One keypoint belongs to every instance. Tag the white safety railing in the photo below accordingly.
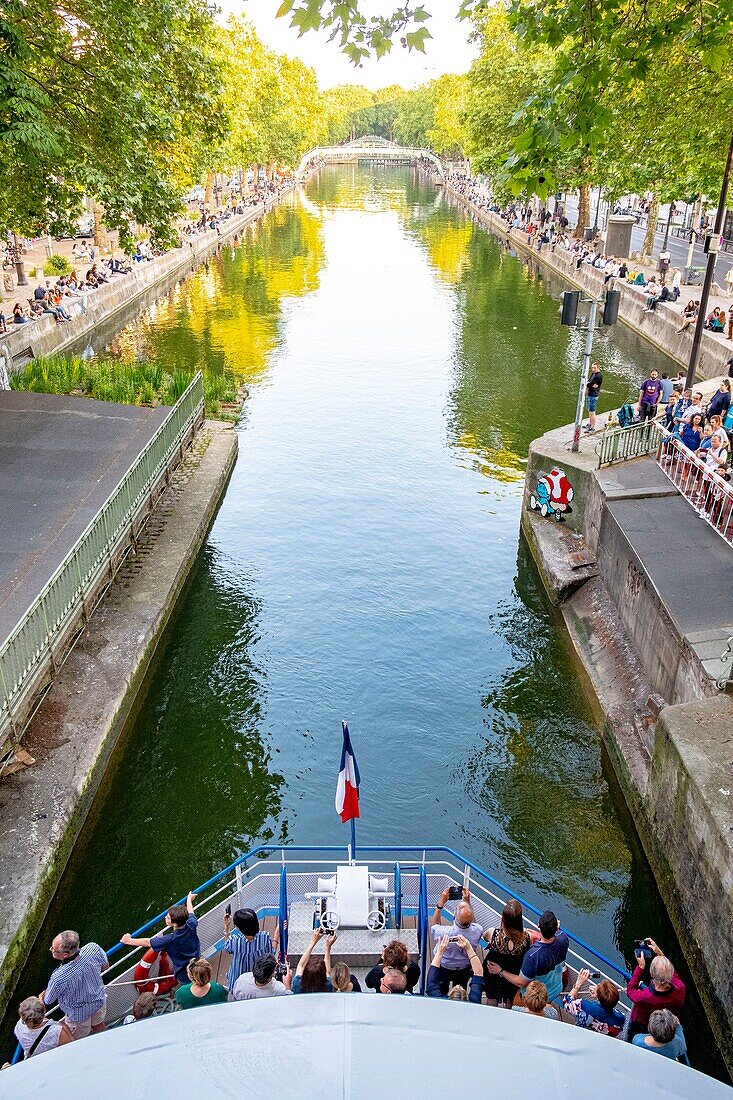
(707, 492)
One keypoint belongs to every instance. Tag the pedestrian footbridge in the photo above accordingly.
(370, 148)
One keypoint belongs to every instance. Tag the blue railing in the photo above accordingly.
(282, 917)
(270, 849)
(423, 926)
(423, 907)
(397, 896)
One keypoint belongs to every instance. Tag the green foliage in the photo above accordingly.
(569, 91)
(57, 265)
(97, 97)
(110, 380)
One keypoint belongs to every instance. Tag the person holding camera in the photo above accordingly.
(458, 992)
(455, 967)
(664, 990)
(596, 1010)
(394, 957)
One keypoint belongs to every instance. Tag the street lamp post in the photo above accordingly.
(587, 355)
(709, 271)
(19, 264)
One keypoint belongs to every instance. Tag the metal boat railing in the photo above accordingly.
(621, 444)
(269, 878)
(32, 654)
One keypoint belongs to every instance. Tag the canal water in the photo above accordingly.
(366, 565)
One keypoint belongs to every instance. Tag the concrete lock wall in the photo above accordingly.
(541, 462)
(690, 823)
(675, 671)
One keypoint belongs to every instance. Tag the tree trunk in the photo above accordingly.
(651, 227)
(100, 231)
(210, 185)
(583, 209)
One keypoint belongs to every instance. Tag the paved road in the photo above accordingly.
(677, 246)
(60, 458)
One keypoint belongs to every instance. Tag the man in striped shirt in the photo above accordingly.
(77, 986)
(244, 941)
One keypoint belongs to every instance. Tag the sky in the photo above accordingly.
(449, 50)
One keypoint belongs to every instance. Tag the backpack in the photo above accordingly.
(625, 416)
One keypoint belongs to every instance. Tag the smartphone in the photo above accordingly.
(228, 910)
(455, 893)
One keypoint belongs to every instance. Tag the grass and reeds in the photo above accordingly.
(126, 384)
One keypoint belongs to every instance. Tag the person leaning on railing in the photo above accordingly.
(180, 941)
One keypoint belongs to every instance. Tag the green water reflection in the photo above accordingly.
(365, 564)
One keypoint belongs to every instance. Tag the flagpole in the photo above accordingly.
(353, 838)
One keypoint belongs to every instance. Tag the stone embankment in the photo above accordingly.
(637, 577)
(658, 327)
(44, 336)
(76, 730)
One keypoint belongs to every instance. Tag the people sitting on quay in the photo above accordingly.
(689, 314)
(180, 942)
(435, 985)
(716, 320)
(245, 942)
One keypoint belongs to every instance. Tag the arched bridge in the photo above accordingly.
(371, 148)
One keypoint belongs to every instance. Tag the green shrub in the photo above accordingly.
(57, 265)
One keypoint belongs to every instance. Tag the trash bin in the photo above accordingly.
(693, 276)
(589, 233)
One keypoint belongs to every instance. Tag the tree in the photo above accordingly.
(415, 118)
(500, 81)
(94, 98)
(596, 49)
(447, 135)
(342, 107)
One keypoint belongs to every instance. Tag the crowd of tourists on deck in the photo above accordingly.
(551, 229)
(508, 966)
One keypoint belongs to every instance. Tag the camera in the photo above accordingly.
(455, 893)
(642, 949)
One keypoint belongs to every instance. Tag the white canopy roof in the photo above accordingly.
(335, 1045)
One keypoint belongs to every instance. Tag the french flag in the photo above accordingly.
(347, 788)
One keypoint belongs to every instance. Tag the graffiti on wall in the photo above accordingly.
(553, 495)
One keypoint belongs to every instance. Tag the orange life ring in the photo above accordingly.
(165, 980)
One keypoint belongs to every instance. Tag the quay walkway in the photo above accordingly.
(60, 458)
